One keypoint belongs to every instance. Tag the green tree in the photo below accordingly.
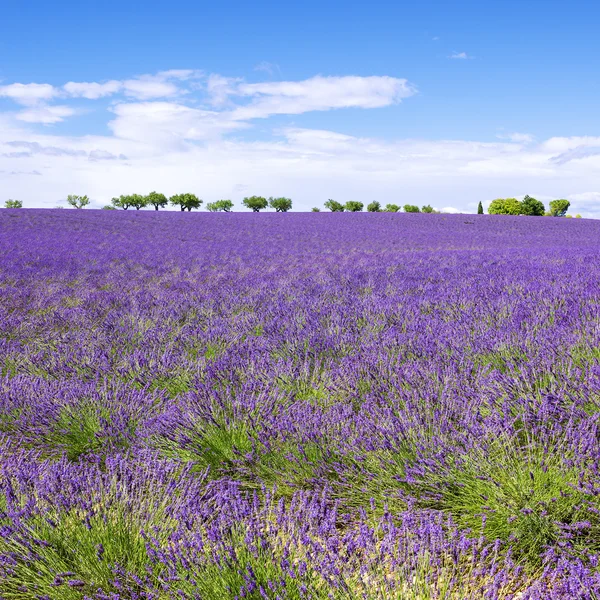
(77, 201)
(391, 208)
(138, 201)
(411, 208)
(220, 206)
(532, 207)
(13, 204)
(334, 206)
(578, 216)
(353, 206)
(374, 207)
(315, 209)
(280, 204)
(427, 208)
(185, 201)
(480, 208)
(505, 206)
(157, 200)
(255, 203)
(123, 202)
(108, 207)
(559, 208)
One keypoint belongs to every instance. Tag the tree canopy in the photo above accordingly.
(185, 201)
(427, 208)
(220, 206)
(391, 208)
(353, 206)
(374, 206)
(280, 204)
(334, 206)
(157, 200)
(13, 204)
(532, 207)
(123, 202)
(138, 201)
(411, 208)
(77, 201)
(505, 206)
(255, 203)
(559, 208)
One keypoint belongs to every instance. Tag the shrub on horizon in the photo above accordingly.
(374, 207)
(391, 208)
(13, 204)
(411, 208)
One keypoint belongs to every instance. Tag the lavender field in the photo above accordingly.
(300, 406)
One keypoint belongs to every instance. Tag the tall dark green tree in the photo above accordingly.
(480, 208)
(532, 207)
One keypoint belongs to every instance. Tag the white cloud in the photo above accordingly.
(220, 88)
(450, 210)
(167, 124)
(321, 93)
(460, 55)
(28, 94)
(46, 114)
(520, 138)
(92, 90)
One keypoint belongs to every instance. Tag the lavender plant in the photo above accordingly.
(385, 406)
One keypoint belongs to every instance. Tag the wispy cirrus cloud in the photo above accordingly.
(520, 138)
(45, 114)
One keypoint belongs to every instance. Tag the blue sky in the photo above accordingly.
(430, 102)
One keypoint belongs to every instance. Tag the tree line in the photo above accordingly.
(528, 206)
(500, 206)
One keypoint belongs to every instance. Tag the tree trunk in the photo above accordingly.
(182, 208)
(156, 207)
